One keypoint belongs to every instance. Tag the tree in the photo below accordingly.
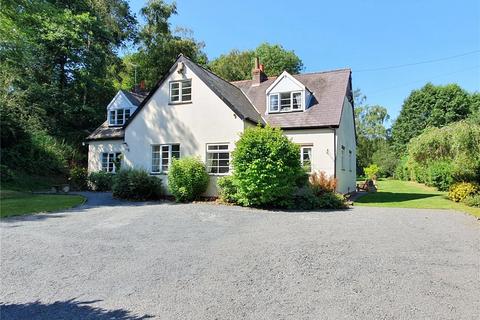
(159, 46)
(430, 106)
(237, 65)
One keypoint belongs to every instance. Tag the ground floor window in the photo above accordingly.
(306, 158)
(218, 158)
(162, 156)
(350, 160)
(110, 161)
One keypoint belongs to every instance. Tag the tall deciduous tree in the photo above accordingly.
(430, 106)
(237, 65)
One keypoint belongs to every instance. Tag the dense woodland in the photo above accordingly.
(61, 62)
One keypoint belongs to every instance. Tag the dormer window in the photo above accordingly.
(181, 91)
(285, 101)
(118, 117)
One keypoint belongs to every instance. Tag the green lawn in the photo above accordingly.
(407, 194)
(14, 203)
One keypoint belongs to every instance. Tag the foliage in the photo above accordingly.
(159, 46)
(134, 184)
(6, 174)
(457, 143)
(238, 65)
(331, 200)
(439, 174)
(430, 106)
(472, 201)
(401, 170)
(321, 183)
(266, 167)
(79, 178)
(100, 181)
(372, 171)
(187, 179)
(386, 158)
(460, 191)
(227, 190)
(304, 198)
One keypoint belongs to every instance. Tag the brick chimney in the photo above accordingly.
(258, 76)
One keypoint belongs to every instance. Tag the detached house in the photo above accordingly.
(192, 111)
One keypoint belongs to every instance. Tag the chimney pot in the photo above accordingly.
(258, 76)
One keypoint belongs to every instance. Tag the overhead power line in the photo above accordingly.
(419, 62)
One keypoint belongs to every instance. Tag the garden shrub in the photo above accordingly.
(321, 183)
(371, 171)
(304, 198)
(401, 171)
(100, 181)
(187, 179)
(138, 185)
(227, 190)
(79, 178)
(462, 190)
(473, 200)
(6, 174)
(439, 174)
(267, 168)
(331, 200)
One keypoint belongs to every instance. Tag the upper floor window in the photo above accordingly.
(110, 161)
(181, 91)
(350, 160)
(285, 101)
(218, 158)
(162, 156)
(118, 116)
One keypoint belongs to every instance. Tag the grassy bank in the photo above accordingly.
(407, 194)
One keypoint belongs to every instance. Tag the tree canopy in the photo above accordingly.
(237, 65)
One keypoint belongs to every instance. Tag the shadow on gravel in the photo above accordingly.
(70, 309)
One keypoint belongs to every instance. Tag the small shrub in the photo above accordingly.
(187, 179)
(473, 200)
(462, 190)
(227, 190)
(6, 174)
(304, 199)
(331, 200)
(372, 171)
(267, 168)
(100, 181)
(138, 185)
(439, 175)
(321, 183)
(79, 178)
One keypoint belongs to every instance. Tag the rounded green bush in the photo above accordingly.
(266, 168)
(79, 178)
(138, 185)
(439, 174)
(473, 200)
(460, 191)
(227, 190)
(187, 179)
(100, 181)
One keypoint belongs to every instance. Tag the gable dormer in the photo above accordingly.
(121, 107)
(287, 94)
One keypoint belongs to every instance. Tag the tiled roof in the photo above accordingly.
(105, 132)
(135, 98)
(328, 88)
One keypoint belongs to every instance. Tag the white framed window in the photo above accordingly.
(118, 117)
(342, 158)
(350, 160)
(110, 161)
(285, 101)
(162, 156)
(218, 158)
(306, 158)
(181, 91)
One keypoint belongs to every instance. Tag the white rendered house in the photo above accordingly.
(193, 112)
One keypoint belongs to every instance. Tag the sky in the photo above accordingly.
(392, 47)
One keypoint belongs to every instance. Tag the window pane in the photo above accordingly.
(186, 97)
(112, 117)
(297, 100)
(273, 102)
(174, 85)
(120, 116)
(127, 114)
(223, 147)
(285, 101)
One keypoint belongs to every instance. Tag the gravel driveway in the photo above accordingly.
(205, 261)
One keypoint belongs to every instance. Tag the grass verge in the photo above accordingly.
(408, 194)
(15, 203)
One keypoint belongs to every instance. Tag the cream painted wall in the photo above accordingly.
(206, 120)
(96, 148)
(345, 136)
(322, 141)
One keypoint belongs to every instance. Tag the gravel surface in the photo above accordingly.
(203, 261)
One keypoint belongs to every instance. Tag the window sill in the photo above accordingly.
(158, 173)
(219, 174)
(115, 125)
(280, 112)
(181, 102)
